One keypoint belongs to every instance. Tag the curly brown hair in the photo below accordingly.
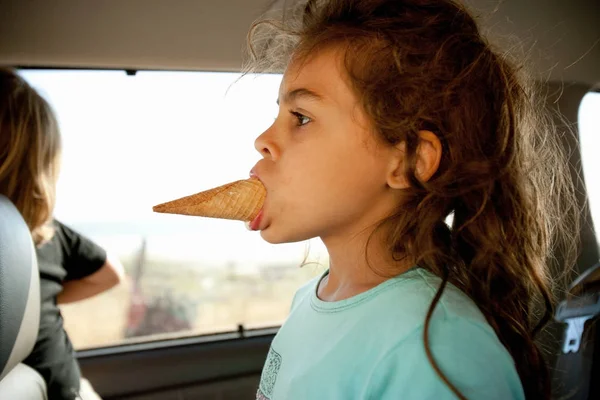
(30, 146)
(424, 65)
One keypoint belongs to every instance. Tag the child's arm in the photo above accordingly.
(108, 276)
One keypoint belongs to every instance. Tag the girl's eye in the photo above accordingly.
(302, 119)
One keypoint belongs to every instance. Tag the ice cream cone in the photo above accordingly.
(239, 200)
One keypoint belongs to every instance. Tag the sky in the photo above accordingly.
(130, 142)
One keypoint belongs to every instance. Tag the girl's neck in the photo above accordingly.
(349, 272)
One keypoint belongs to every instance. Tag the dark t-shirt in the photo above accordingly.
(67, 256)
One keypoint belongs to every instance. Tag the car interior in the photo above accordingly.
(149, 98)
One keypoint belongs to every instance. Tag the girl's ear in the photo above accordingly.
(429, 154)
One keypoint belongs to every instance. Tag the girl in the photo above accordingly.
(393, 116)
(72, 267)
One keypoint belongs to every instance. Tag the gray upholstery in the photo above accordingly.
(23, 382)
(19, 303)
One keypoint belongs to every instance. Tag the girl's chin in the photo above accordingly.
(272, 236)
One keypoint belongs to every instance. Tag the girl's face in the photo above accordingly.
(324, 168)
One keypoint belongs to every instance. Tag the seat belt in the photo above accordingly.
(577, 365)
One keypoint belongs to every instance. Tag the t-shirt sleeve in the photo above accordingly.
(82, 257)
(470, 356)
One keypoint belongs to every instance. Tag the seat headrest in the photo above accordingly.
(19, 288)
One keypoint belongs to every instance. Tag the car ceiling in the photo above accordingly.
(560, 37)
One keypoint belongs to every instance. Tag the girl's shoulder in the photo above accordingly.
(402, 305)
(462, 342)
(416, 290)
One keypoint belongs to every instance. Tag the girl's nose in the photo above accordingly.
(265, 145)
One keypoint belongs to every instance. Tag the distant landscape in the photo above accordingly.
(164, 299)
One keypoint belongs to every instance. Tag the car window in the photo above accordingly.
(130, 142)
(589, 132)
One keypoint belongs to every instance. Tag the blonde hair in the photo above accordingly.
(29, 153)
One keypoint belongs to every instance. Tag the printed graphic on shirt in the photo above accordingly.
(269, 376)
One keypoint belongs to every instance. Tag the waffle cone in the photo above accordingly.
(239, 200)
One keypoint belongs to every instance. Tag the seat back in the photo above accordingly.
(19, 289)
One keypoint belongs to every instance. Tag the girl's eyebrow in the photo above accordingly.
(301, 92)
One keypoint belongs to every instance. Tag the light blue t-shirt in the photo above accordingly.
(370, 346)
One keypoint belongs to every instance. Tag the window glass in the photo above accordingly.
(589, 131)
(130, 142)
